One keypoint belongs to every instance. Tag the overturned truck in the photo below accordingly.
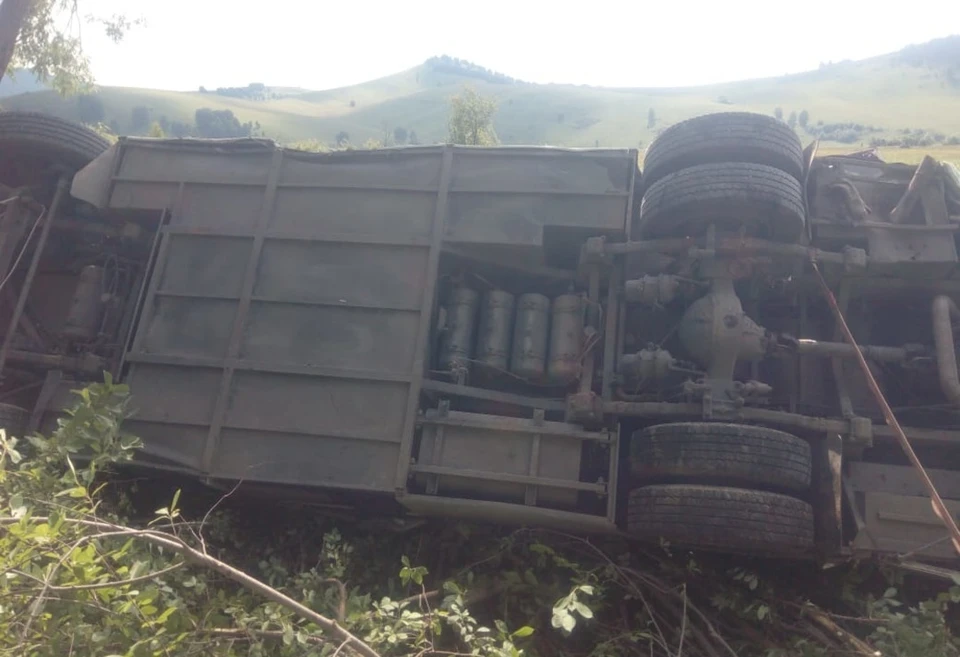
(523, 335)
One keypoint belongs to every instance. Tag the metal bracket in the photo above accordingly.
(530, 493)
(433, 480)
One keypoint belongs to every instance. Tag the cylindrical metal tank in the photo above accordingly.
(528, 357)
(457, 345)
(566, 333)
(496, 325)
(86, 306)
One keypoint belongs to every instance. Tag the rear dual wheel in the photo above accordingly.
(731, 487)
(737, 171)
(36, 147)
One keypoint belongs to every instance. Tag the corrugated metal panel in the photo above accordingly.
(284, 327)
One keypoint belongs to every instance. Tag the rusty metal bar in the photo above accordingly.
(426, 314)
(160, 262)
(593, 321)
(341, 238)
(456, 390)
(495, 423)
(842, 350)
(240, 364)
(727, 246)
(939, 508)
(506, 513)
(86, 363)
(62, 186)
(506, 477)
(134, 311)
(611, 325)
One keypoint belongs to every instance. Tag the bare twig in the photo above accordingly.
(203, 522)
(342, 590)
(683, 623)
(240, 633)
(106, 585)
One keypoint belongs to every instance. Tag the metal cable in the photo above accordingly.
(23, 250)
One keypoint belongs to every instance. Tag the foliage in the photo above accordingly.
(804, 118)
(80, 578)
(139, 118)
(90, 108)
(108, 132)
(49, 43)
(310, 146)
(220, 124)
(471, 119)
(651, 118)
(461, 67)
(778, 112)
(156, 131)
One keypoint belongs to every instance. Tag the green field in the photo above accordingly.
(886, 93)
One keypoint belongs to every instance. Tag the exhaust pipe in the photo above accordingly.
(945, 310)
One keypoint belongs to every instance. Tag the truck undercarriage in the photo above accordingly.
(528, 335)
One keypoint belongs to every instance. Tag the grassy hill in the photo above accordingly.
(915, 91)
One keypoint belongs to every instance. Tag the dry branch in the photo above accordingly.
(197, 557)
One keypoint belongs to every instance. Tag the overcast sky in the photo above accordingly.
(323, 44)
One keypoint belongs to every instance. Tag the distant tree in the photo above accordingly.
(792, 120)
(651, 118)
(400, 135)
(156, 131)
(164, 123)
(778, 112)
(114, 126)
(203, 89)
(342, 138)
(353, 103)
(803, 119)
(723, 100)
(139, 119)
(220, 124)
(90, 108)
(471, 119)
(180, 129)
(372, 144)
(412, 138)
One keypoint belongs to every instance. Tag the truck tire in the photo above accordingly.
(765, 201)
(719, 518)
(734, 454)
(49, 139)
(13, 420)
(724, 137)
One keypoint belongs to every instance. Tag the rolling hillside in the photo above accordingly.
(915, 91)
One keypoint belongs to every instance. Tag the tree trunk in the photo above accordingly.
(12, 14)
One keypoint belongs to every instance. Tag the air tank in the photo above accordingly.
(496, 325)
(566, 333)
(86, 306)
(456, 347)
(528, 358)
